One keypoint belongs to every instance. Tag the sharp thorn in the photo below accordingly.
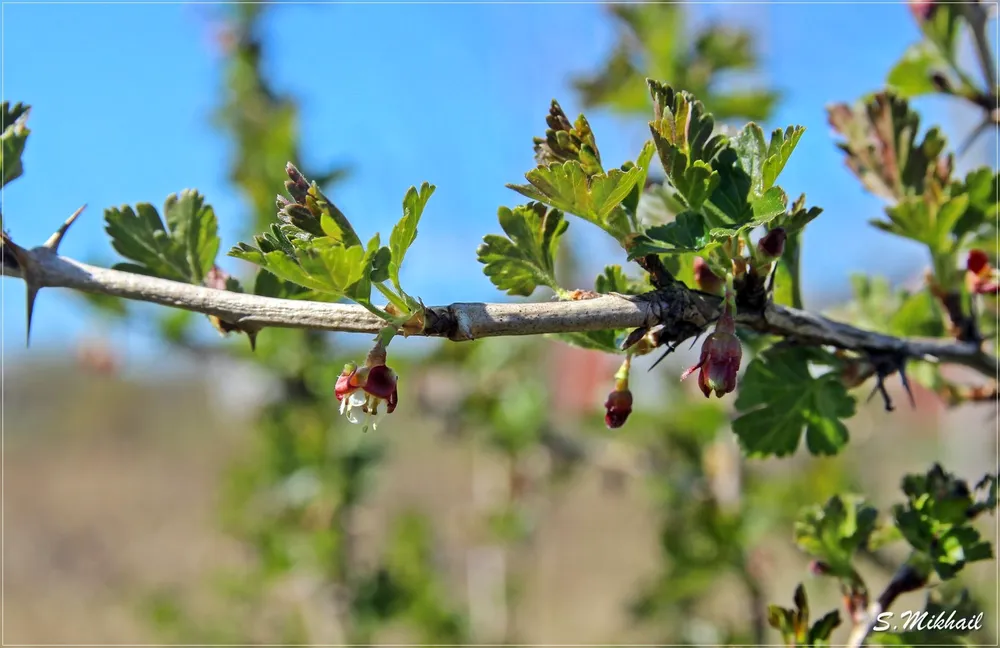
(32, 294)
(973, 136)
(252, 336)
(906, 386)
(57, 237)
(670, 349)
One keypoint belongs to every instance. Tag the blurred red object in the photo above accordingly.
(96, 356)
(579, 379)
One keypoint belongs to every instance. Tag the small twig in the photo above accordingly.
(906, 579)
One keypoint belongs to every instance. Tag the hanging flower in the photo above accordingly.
(721, 353)
(367, 389)
(980, 277)
(619, 403)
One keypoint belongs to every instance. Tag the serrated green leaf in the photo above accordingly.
(779, 398)
(643, 162)
(819, 633)
(881, 145)
(762, 160)
(686, 233)
(405, 231)
(567, 188)
(935, 521)
(926, 221)
(360, 290)
(268, 285)
(184, 253)
(193, 226)
(835, 531)
(525, 260)
(982, 186)
(683, 134)
(15, 131)
(614, 280)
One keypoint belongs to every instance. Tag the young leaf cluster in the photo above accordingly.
(314, 245)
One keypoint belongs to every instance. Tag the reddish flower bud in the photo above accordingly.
(618, 406)
(977, 262)
(980, 277)
(772, 245)
(720, 360)
(705, 279)
(922, 9)
(819, 568)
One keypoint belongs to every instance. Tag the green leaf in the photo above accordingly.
(565, 141)
(193, 225)
(686, 233)
(405, 231)
(683, 135)
(926, 221)
(982, 186)
(819, 633)
(568, 188)
(656, 41)
(14, 136)
(911, 76)
(836, 531)
(526, 259)
(797, 217)
(614, 280)
(631, 202)
(185, 252)
(764, 161)
(320, 264)
(935, 520)
(779, 398)
(268, 285)
(360, 291)
(879, 307)
(881, 145)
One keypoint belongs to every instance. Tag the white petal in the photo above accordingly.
(358, 398)
(343, 406)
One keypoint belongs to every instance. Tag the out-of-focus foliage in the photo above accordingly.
(655, 40)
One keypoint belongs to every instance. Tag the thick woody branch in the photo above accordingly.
(682, 312)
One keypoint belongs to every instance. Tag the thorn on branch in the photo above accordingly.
(18, 258)
(886, 364)
(57, 236)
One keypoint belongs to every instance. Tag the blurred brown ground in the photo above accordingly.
(111, 492)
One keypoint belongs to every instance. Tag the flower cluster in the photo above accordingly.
(366, 389)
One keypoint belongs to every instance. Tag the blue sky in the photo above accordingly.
(450, 94)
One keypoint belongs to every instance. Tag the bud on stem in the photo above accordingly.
(619, 403)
